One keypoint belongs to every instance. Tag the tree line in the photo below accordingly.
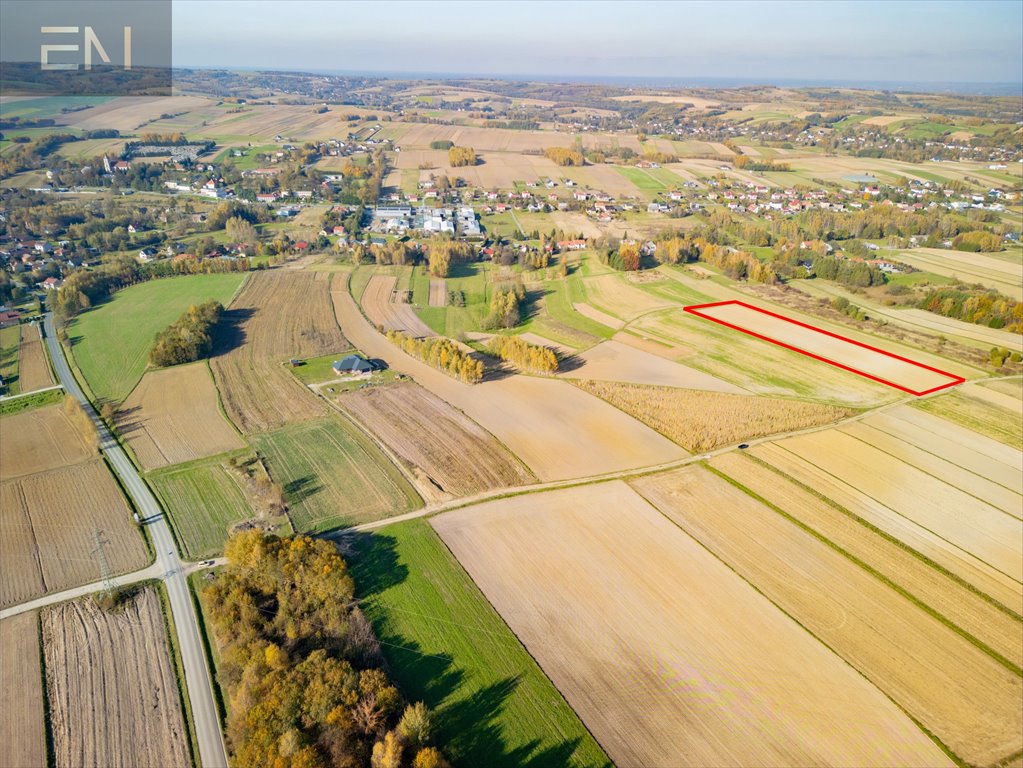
(301, 665)
(441, 353)
(975, 304)
(505, 309)
(532, 358)
(188, 338)
(564, 156)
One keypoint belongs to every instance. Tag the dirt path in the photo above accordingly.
(438, 292)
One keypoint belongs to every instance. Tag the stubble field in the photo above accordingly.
(172, 416)
(278, 316)
(433, 439)
(112, 693)
(954, 689)
(391, 315)
(659, 660)
(22, 728)
(33, 367)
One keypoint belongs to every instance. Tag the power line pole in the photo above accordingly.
(99, 542)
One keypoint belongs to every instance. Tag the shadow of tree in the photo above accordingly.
(301, 488)
(229, 332)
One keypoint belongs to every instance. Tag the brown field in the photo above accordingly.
(978, 413)
(435, 441)
(33, 367)
(1010, 401)
(701, 421)
(128, 113)
(22, 729)
(615, 361)
(49, 519)
(38, 440)
(941, 506)
(113, 696)
(279, 315)
(438, 292)
(658, 659)
(542, 421)
(947, 596)
(951, 687)
(172, 416)
(812, 341)
(595, 314)
(990, 272)
(383, 311)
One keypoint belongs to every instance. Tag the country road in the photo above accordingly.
(212, 752)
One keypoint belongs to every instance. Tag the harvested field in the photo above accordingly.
(23, 727)
(113, 696)
(615, 361)
(987, 270)
(438, 292)
(1012, 387)
(49, 520)
(542, 421)
(173, 416)
(379, 302)
(333, 475)
(947, 596)
(979, 415)
(701, 421)
(596, 315)
(451, 452)
(39, 440)
(1010, 402)
(279, 315)
(614, 295)
(33, 367)
(667, 671)
(905, 375)
(954, 689)
(860, 501)
(938, 505)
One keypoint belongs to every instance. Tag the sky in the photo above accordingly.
(890, 40)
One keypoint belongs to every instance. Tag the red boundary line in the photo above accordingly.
(694, 309)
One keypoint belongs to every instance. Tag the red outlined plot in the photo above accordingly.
(859, 358)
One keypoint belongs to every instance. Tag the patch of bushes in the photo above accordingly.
(188, 338)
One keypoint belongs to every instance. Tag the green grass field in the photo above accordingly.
(446, 646)
(333, 476)
(110, 343)
(644, 181)
(30, 401)
(986, 418)
(10, 338)
(203, 502)
(47, 106)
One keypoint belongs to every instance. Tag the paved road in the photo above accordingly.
(212, 753)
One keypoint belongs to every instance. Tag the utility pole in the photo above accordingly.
(99, 542)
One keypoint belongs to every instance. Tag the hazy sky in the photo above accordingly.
(972, 41)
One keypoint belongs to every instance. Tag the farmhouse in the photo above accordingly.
(353, 365)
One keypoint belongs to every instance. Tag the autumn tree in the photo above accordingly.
(461, 156)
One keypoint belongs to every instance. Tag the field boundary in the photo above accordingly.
(694, 309)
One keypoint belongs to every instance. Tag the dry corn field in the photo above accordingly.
(435, 441)
(33, 367)
(659, 660)
(953, 688)
(22, 728)
(172, 416)
(279, 315)
(701, 421)
(113, 696)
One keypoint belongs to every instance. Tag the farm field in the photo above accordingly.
(675, 636)
(33, 367)
(941, 506)
(1011, 387)
(21, 681)
(701, 421)
(1003, 276)
(977, 414)
(494, 704)
(333, 475)
(949, 597)
(434, 440)
(614, 295)
(278, 316)
(956, 691)
(542, 421)
(113, 696)
(110, 343)
(438, 292)
(615, 361)
(899, 372)
(173, 416)
(382, 310)
(40, 440)
(203, 502)
(592, 313)
(9, 353)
